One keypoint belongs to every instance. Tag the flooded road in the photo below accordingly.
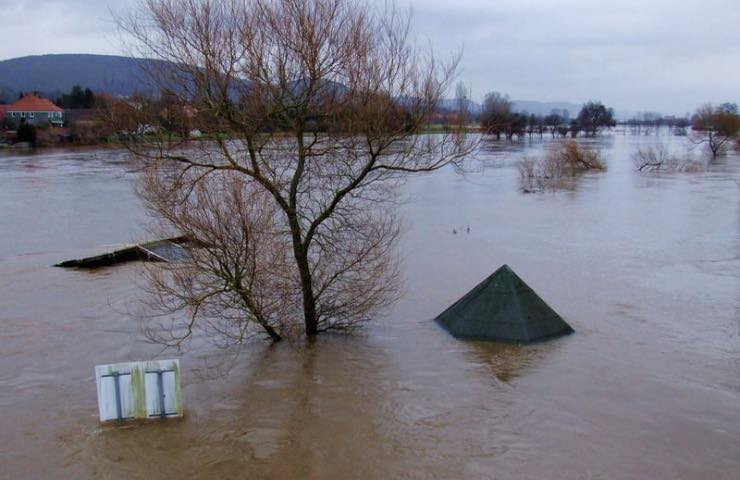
(645, 267)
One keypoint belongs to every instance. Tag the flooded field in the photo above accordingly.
(645, 267)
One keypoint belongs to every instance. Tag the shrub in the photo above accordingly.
(572, 158)
(658, 159)
(568, 160)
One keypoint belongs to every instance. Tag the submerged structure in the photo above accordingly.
(139, 390)
(167, 250)
(503, 308)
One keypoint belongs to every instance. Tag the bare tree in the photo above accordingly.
(314, 109)
(495, 115)
(659, 159)
(653, 159)
(462, 99)
(716, 126)
(237, 279)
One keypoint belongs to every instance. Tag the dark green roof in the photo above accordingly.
(502, 307)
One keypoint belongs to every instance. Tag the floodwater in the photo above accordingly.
(645, 267)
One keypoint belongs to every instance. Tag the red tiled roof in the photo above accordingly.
(32, 103)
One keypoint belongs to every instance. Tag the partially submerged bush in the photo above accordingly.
(536, 174)
(573, 158)
(659, 159)
(568, 160)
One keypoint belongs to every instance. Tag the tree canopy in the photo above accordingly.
(594, 116)
(496, 113)
(716, 126)
(314, 109)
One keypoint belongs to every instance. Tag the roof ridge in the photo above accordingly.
(31, 102)
(515, 294)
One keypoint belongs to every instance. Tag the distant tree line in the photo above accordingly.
(651, 122)
(718, 127)
(498, 118)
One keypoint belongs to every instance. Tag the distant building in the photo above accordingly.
(34, 110)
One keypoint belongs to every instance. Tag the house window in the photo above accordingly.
(15, 114)
(31, 114)
(23, 114)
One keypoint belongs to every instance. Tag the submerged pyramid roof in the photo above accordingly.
(502, 307)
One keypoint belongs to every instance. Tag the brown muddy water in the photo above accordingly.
(646, 268)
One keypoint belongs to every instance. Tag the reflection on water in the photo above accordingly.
(646, 268)
(506, 361)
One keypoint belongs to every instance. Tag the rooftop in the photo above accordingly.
(33, 103)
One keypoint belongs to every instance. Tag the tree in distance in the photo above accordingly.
(594, 116)
(495, 114)
(716, 126)
(314, 109)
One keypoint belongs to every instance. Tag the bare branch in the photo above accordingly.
(311, 113)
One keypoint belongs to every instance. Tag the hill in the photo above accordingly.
(54, 74)
(545, 108)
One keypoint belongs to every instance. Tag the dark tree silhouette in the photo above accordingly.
(496, 113)
(77, 98)
(594, 116)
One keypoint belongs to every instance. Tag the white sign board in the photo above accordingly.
(139, 390)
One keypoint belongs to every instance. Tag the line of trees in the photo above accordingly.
(651, 122)
(498, 118)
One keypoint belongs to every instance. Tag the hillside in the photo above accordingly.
(53, 74)
(545, 108)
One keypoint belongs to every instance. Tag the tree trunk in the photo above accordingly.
(300, 252)
(713, 146)
(309, 301)
(272, 333)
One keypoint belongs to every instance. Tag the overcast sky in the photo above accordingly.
(662, 55)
